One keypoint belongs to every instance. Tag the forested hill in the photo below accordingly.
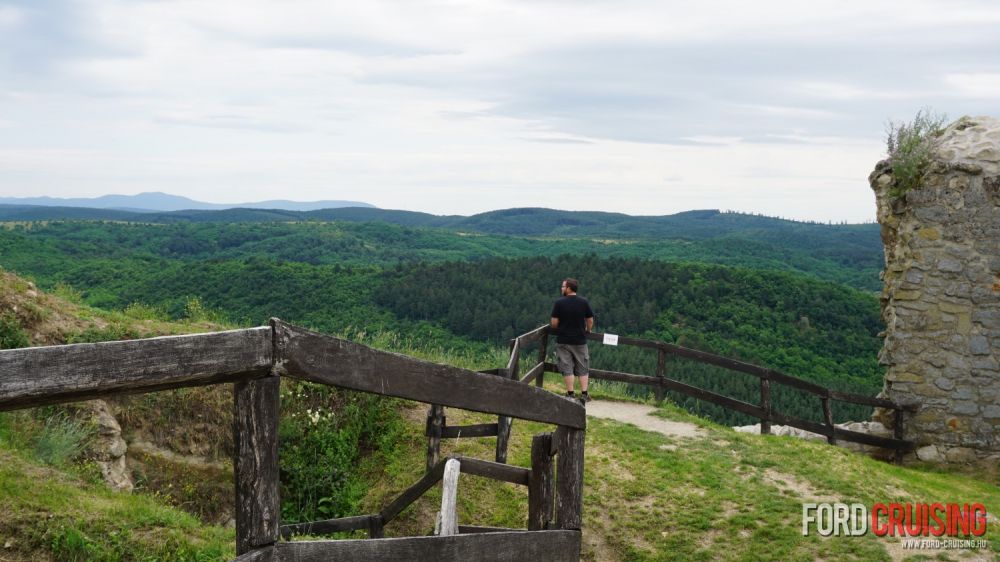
(848, 254)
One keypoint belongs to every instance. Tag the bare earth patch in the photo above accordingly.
(639, 416)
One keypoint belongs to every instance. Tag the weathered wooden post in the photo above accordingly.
(255, 463)
(543, 350)
(765, 404)
(540, 483)
(661, 370)
(435, 425)
(828, 420)
(504, 422)
(449, 498)
(569, 478)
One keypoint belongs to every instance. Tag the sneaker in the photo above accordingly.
(586, 397)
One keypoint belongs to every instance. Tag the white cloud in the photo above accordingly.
(638, 106)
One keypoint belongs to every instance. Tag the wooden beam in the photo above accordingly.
(532, 373)
(531, 337)
(327, 526)
(661, 372)
(467, 529)
(255, 463)
(477, 430)
(569, 479)
(263, 554)
(828, 420)
(449, 498)
(540, 483)
(543, 350)
(765, 405)
(411, 494)
(494, 470)
(435, 430)
(328, 360)
(510, 546)
(670, 384)
(35, 376)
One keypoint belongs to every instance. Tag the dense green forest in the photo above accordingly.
(381, 244)
(475, 291)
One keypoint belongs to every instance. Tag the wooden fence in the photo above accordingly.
(255, 359)
(764, 411)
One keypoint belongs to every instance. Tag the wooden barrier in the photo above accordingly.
(764, 411)
(255, 359)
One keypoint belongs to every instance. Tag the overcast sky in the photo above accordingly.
(642, 107)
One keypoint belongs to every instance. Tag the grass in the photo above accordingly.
(69, 518)
(647, 496)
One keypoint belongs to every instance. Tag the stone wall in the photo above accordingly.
(941, 296)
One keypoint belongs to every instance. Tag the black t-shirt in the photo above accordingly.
(572, 312)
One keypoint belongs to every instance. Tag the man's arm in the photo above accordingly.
(554, 323)
(590, 324)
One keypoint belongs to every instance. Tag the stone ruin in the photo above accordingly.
(941, 296)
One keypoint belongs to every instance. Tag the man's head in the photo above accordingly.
(570, 286)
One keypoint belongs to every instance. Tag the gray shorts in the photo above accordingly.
(573, 359)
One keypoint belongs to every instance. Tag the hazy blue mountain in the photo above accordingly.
(155, 201)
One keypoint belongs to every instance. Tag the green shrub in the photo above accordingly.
(911, 149)
(12, 336)
(61, 440)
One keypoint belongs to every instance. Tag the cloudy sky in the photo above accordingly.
(457, 107)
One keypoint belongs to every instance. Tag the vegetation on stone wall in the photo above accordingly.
(911, 149)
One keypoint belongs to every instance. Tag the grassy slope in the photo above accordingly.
(651, 497)
(66, 512)
(646, 496)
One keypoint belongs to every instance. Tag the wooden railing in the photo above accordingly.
(255, 359)
(764, 411)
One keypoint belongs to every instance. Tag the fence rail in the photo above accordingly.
(255, 359)
(764, 410)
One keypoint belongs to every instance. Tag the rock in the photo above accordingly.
(929, 454)
(979, 345)
(109, 449)
(960, 455)
(116, 474)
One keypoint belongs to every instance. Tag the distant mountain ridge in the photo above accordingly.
(155, 201)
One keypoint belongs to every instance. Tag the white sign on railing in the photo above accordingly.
(610, 339)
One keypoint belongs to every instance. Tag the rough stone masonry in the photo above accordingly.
(941, 296)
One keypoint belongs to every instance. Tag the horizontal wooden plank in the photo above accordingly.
(532, 373)
(411, 494)
(35, 376)
(751, 369)
(328, 360)
(263, 554)
(469, 529)
(511, 546)
(683, 388)
(476, 430)
(327, 526)
(531, 337)
(494, 470)
(844, 434)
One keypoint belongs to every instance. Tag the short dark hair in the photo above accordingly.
(572, 284)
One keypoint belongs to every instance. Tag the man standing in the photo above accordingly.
(572, 318)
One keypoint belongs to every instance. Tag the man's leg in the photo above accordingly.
(582, 368)
(565, 357)
(568, 380)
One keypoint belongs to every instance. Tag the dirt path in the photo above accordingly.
(639, 416)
